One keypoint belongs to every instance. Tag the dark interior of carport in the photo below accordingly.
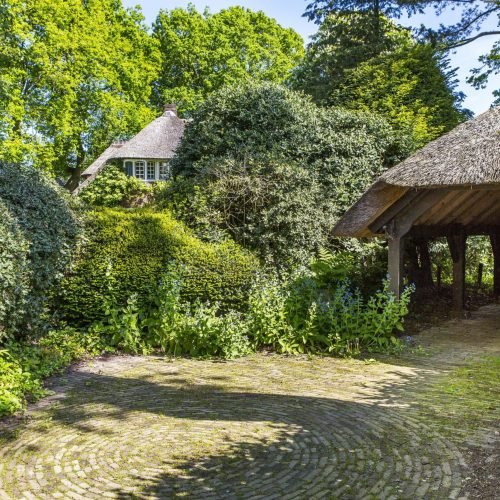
(425, 214)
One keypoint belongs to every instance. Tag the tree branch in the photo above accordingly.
(466, 41)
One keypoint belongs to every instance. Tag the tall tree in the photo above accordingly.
(74, 74)
(388, 73)
(202, 52)
(473, 23)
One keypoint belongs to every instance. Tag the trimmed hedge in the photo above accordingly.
(38, 231)
(126, 252)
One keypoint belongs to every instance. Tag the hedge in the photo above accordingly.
(127, 251)
(38, 232)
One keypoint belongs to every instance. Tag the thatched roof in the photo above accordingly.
(467, 158)
(156, 141)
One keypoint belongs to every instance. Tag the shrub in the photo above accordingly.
(23, 365)
(112, 188)
(299, 315)
(38, 231)
(174, 326)
(270, 168)
(127, 252)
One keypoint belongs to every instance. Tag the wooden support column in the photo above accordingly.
(495, 245)
(457, 244)
(396, 251)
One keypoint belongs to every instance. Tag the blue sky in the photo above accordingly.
(289, 13)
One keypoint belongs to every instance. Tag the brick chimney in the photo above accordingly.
(170, 109)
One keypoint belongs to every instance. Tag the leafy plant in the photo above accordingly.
(24, 365)
(112, 188)
(38, 235)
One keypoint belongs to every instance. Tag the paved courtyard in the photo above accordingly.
(266, 426)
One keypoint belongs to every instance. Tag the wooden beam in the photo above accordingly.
(438, 231)
(396, 245)
(495, 245)
(394, 209)
(457, 244)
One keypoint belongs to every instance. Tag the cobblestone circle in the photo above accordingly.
(259, 427)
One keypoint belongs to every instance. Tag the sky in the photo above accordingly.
(289, 14)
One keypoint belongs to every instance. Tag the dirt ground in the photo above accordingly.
(420, 424)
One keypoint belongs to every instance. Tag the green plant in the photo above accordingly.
(38, 233)
(299, 315)
(112, 188)
(126, 252)
(24, 365)
(175, 327)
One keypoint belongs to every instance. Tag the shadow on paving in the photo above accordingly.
(320, 447)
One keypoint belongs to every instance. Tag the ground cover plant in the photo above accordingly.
(25, 364)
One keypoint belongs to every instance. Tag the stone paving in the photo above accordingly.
(264, 426)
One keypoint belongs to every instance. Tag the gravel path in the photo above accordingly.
(264, 426)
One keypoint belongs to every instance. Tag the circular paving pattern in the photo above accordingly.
(236, 430)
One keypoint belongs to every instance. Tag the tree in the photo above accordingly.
(407, 82)
(474, 14)
(73, 76)
(203, 52)
(412, 87)
(268, 167)
(344, 41)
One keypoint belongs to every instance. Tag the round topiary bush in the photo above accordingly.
(126, 252)
(38, 232)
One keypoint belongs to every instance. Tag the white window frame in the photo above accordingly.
(145, 163)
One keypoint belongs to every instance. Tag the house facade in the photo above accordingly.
(147, 156)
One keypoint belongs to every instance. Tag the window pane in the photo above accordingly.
(150, 172)
(139, 169)
(129, 168)
(164, 170)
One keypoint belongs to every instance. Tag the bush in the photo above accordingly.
(127, 252)
(38, 231)
(274, 171)
(175, 326)
(299, 315)
(24, 365)
(112, 188)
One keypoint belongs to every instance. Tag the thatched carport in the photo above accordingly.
(450, 188)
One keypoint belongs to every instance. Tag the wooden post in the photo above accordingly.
(396, 265)
(457, 244)
(495, 245)
(480, 269)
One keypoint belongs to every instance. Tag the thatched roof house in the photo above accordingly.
(147, 155)
(449, 188)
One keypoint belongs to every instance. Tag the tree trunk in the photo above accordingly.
(75, 173)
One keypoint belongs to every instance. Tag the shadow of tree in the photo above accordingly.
(317, 446)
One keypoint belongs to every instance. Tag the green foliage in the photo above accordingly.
(274, 171)
(350, 64)
(203, 52)
(74, 76)
(173, 325)
(299, 315)
(127, 251)
(113, 188)
(24, 365)
(38, 233)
